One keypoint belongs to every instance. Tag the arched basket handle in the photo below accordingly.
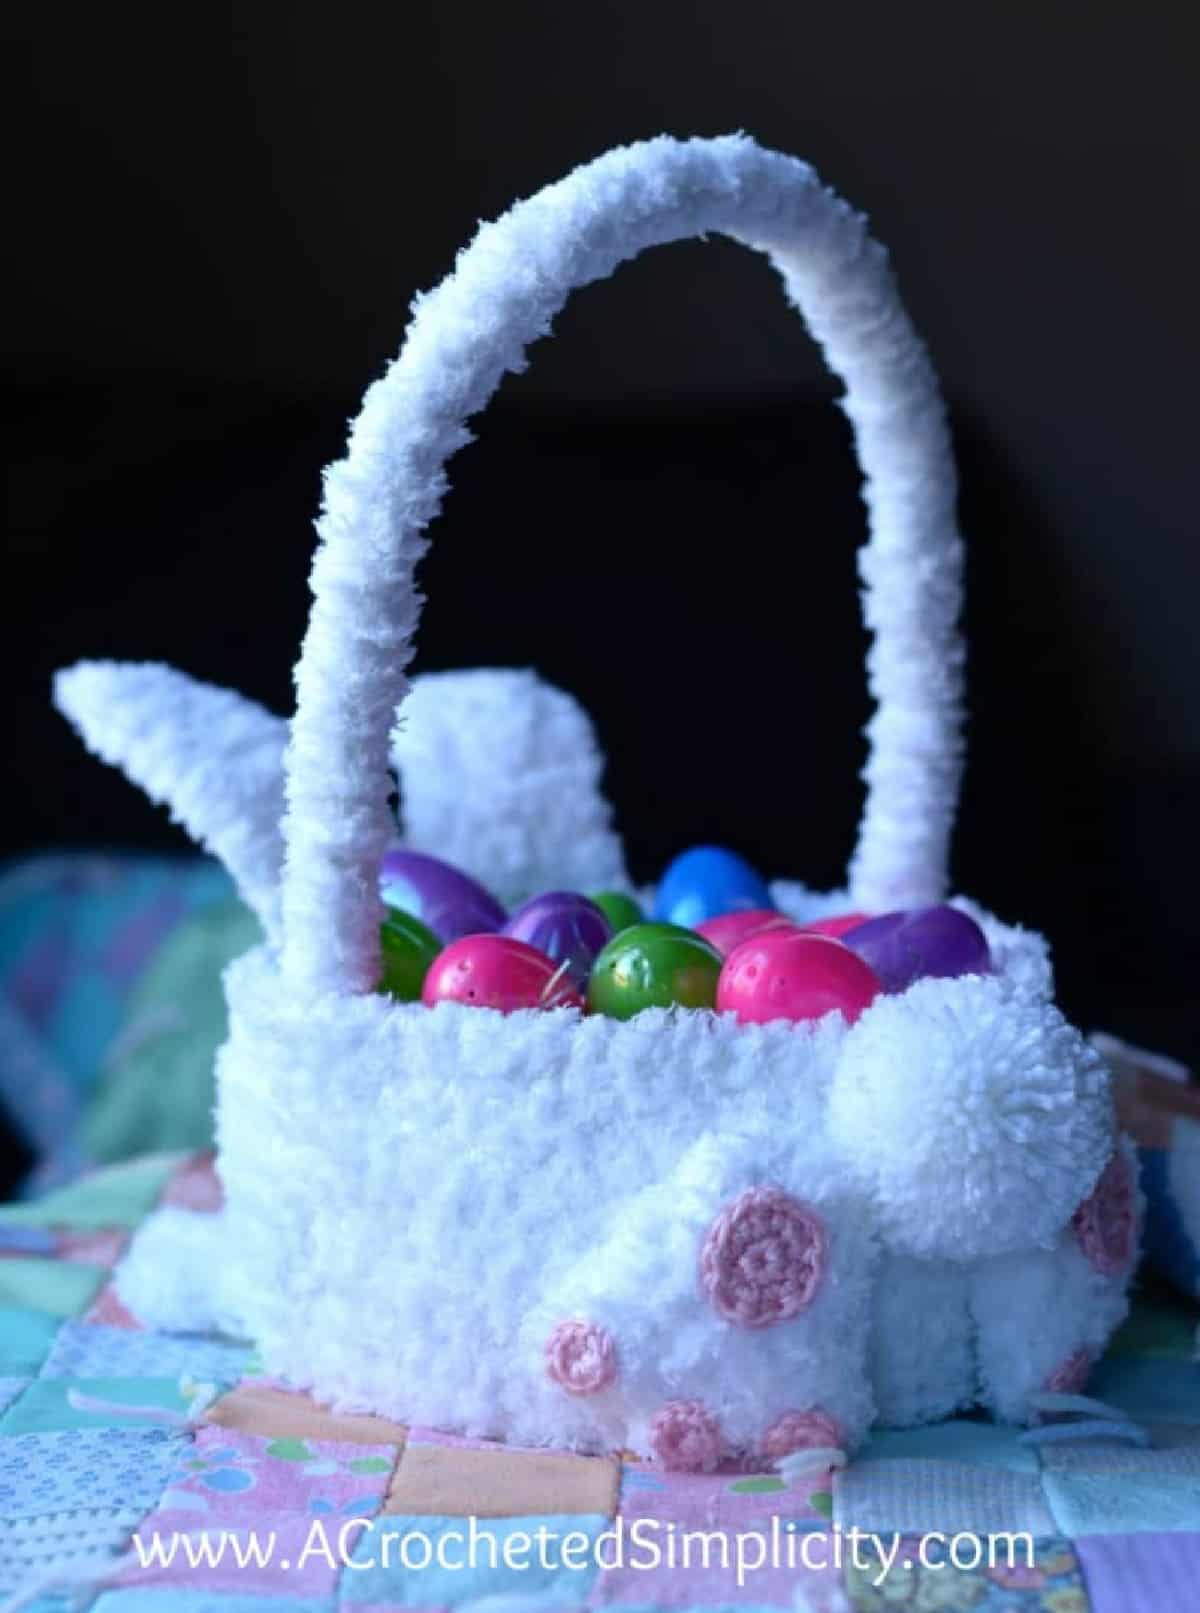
(504, 292)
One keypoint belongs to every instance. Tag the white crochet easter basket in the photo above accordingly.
(675, 1234)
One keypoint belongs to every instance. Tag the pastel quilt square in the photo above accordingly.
(1123, 1503)
(130, 1599)
(10, 1389)
(227, 1477)
(254, 1408)
(51, 1404)
(103, 1248)
(454, 1481)
(23, 1240)
(54, 1287)
(961, 1439)
(915, 1498)
(32, 1548)
(1146, 1573)
(82, 1468)
(276, 1555)
(725, 1500)
(1173, 1448)
(724, 1539)
(120, 1196)
(26, 1338)
(919, 1575)
(85, 1350)
(428, 1562)
(673, 1563)
(50, 1602)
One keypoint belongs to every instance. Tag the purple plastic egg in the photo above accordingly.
(566, 927)
(447, 901)
(921, 943)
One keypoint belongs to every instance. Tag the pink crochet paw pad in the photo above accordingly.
(1070, 1376)
(801, 1431)
(685, 1437)
(1104, 1222)
(581, 1357)
(763, 1258)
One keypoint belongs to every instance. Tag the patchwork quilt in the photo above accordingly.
(145, 1472)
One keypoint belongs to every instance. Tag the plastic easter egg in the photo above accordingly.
(653, 966)
(788, 974)
(729, 930)
(836, 924)
(619, 909)
(921, 942)
(497, 971)
(407, 948)
(705, 882)
(566, 927)
(447, 901)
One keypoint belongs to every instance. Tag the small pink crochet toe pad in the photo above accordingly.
(1104, 1222)
(581, 1357)
(1070, 1376)
(801, 1431)
(685, 1437)
(763, 1258)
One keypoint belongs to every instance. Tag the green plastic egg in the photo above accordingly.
(620, 910)
(408, 948)
(653, 966)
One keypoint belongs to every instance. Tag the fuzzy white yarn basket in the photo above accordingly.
(676, 1234)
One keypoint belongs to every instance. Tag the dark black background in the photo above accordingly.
(217, 216)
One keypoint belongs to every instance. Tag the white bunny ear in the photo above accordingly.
(500, 775)
(210, 755)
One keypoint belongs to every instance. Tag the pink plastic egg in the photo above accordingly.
(788, 974)
(836, 925)
(497, 971)
(729, 930)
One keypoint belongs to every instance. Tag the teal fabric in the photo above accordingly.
(76, 932)
(1123, 1504)
(26, 1337)
(157, 1091)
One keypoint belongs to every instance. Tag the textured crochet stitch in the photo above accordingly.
(685, 1436)
(1070, 1376)
(581, 1357)
(1105, 1222)
(763, 1258)
(801, 1431)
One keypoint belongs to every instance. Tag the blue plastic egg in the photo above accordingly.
(705, 882)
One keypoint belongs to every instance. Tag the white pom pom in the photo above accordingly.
(179, 1274)
(977, 1116)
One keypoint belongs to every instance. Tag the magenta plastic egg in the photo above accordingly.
(497, 971)
(920, 943)
(729, 930)
(447, 901)
(788, 974)
(565, 926)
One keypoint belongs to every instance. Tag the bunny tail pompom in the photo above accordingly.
(976, 1114)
